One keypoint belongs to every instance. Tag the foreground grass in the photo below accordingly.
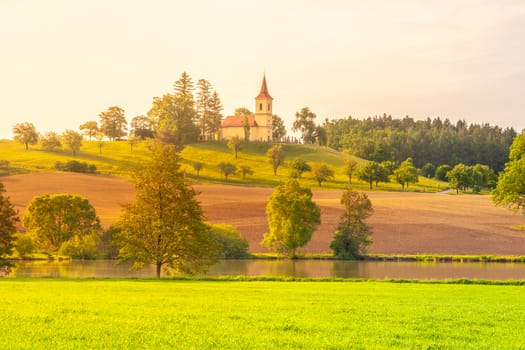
(193, 314)
(119, 158)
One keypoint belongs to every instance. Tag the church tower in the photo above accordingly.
(263, 112)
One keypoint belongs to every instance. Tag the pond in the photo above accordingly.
(286, 268)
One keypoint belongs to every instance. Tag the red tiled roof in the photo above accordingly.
(264, 90)
(238, 121)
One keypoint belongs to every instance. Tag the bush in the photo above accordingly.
(23, 245)
(84, 247)
(106, 247)
(76, 167)
(231, 244)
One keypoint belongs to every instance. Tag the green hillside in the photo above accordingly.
(118, 158)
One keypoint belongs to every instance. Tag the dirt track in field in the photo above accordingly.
(402, 223)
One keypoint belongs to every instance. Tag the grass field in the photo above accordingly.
(147, 314)
(119, 159)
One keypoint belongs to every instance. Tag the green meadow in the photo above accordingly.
(255, 314)
(119, 158)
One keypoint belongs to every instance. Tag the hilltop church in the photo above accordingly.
(260, 123)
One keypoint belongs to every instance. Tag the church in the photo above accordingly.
(260, 123)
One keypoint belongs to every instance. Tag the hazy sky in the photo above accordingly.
(62, 62)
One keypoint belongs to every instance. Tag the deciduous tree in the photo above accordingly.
(246, 170)
(372, 172)
(242, 111)
(8, 219)
(350, 168)
(406, 173)
(278, 129)
(198, 167)
(142, 126)
(352, 235)
(321, 173)
(292, 218)
(304, 122)
(73, 140)
(276, 157)
(227, 169)
(89, 128)
(57, 219)
(50, 141)
(113, 122)
(25, 133)
(235, 145)
(164, 226)
(299, 166)
(510, 190)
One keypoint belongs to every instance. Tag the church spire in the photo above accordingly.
(264, 90)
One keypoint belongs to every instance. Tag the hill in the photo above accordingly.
(402, 223)
(119, 158)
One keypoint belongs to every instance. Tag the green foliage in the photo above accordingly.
(406, 173)
(441, 172)
(56, 219)
(25, 133)
(232, 245)
(50, 141)
(142, 127)
(23, 245)
(107, 243)
(73, 140)
(76, 167)
(227, 169)
(113, 123)
(352, 236)
(81, 247)
(434, 141)
(278, 129)
(90, 129)
(292, 218)
(299, 166)
(235, 144)
(304, 122)
(321, 172)
(246, 170)
(460, 177)
(429, 170)
(371, 172)
(8, 218)
(242, 111)
(198, 167)
(276, 157)
(510, 189)
(255, 314)
(165, 225)
(246, 128)
(350, 168)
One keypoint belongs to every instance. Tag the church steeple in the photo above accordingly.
(263, 111)
(264, 90)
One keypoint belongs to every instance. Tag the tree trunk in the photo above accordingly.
(159, 266)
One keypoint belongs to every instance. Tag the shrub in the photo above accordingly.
(76, 167)
(23, 245)
(84, 247)
(231, 244)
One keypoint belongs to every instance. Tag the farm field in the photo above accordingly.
(403, 223)
(193, 314)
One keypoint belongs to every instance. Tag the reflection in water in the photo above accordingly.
(285, 268)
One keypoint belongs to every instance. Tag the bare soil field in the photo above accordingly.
(402, 223)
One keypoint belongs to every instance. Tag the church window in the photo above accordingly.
(260, 106)
(269, 107)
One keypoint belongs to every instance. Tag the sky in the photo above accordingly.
(62, 62)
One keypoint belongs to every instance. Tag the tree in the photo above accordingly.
(321, 173)
(227, 169)
(242, 111)
(276, 157)
(482, 176)
(73, 140)
(184, 86)
(89, 128)
(113, 123)
(460, 177)
(203, 106)
(232, 245)
(441, 172)
(25, 133)
(132, 141)
(246, 128)
(8, 219)
(198, 167)
(372, 172)
(50, 141)
(246, 170)
(304, 122)
(350, 168)
(214, 124)
(142, 126)
(235, 145)
(406, 173)
(299, 166)
(510, 189)
(292, 218)
(278, 129)
(57, 219)
(164, 226)
(428, 170)
(320, 135)
(352, 235)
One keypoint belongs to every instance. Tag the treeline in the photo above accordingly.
(436, 141)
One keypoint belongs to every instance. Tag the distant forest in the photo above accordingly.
(433, 141)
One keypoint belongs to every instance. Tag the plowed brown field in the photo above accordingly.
(403, 223)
